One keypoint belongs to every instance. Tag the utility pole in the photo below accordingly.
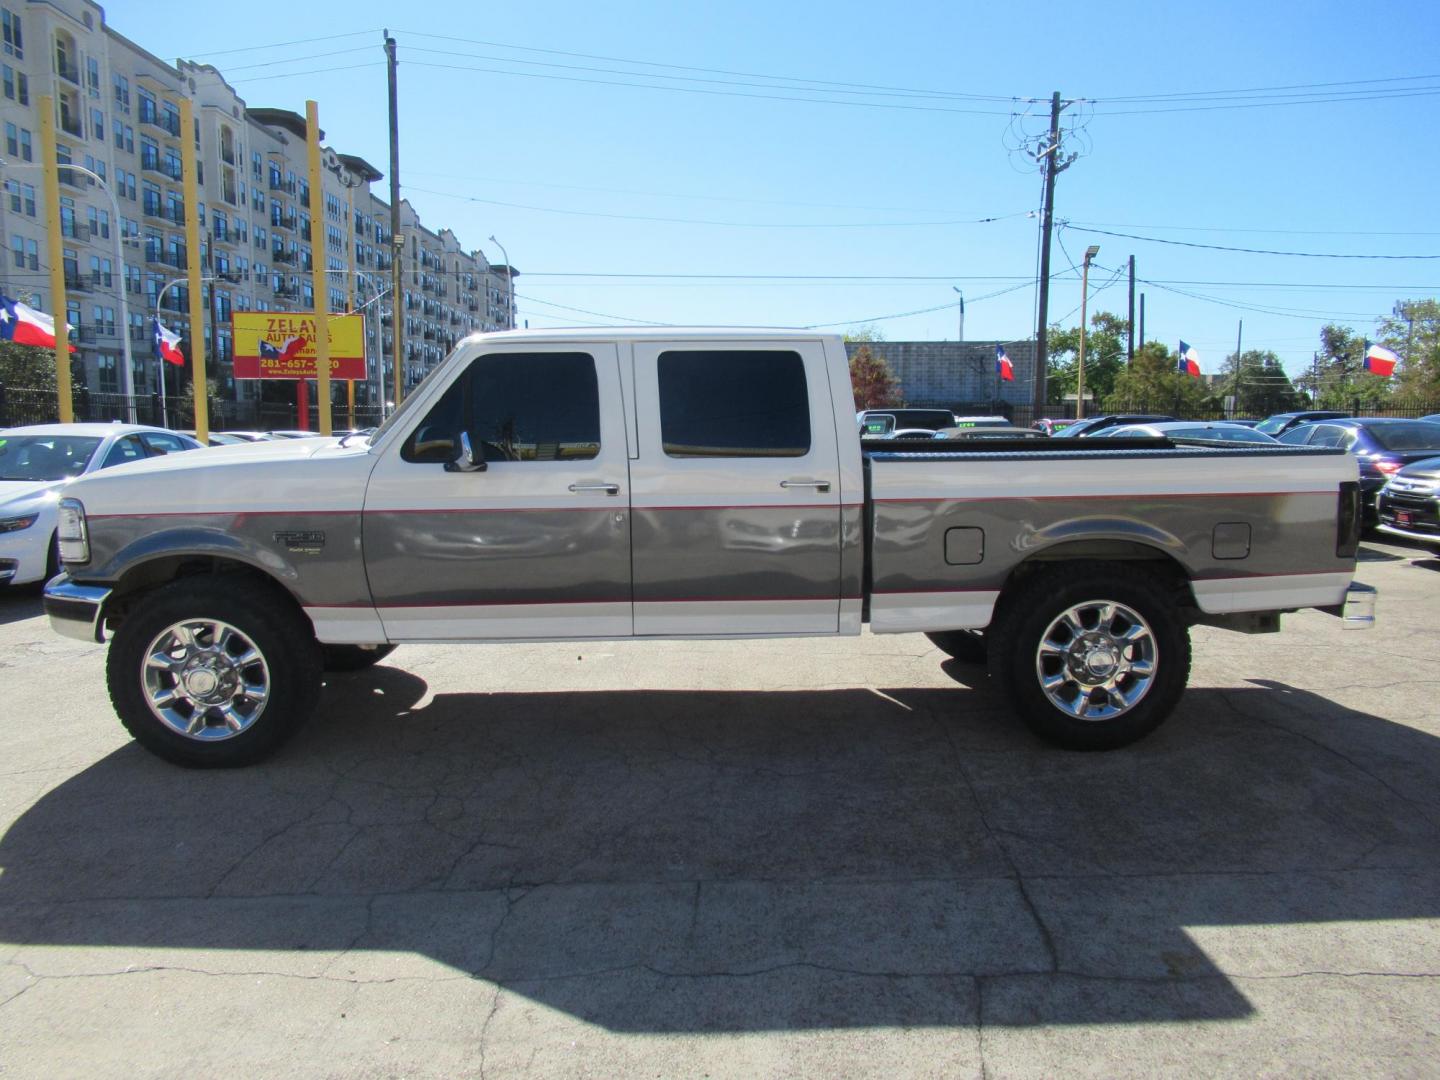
(1239, 369)
(1053, 166)
(1090, 253)
(1142, 320)
(397, 242)
(1130, 326)
(320, 283)
(56, 252)
(956, 289)
(192, 269)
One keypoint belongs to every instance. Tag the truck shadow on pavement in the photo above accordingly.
(656, 861)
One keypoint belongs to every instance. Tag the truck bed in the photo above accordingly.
(1253, 528)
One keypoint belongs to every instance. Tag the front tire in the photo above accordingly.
(210, 676)
(1094, 655)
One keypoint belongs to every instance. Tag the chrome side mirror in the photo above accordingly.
(466, 461)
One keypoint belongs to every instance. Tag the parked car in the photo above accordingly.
(218, 438)
(246, 436)
(929, 419)
(1280, 423)
(38, 462)
(293, 433)
(1091, 424)
(1434, 418)
(1218, 431)
(998, 431)
(1382, 444)
(1050, 425)
(1409, 503)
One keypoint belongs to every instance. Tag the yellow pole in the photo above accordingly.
(317, 259)
(192, 271)
(56, 254)
(348, 232)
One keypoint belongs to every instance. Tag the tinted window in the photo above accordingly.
(1297, 435)
(1327, 435)
(1273, 425)
(126, 449)
(515, 407)
(1412, 435)
(931, 419)
(734, 403)
(163, 444)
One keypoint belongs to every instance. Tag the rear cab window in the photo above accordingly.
(750, 403)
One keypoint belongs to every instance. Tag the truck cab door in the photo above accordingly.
(529, 538)
(736, 490)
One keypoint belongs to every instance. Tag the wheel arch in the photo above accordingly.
(1093, 550)
(161, 568)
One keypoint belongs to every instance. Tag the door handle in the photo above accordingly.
(818, 485)
(596, 485)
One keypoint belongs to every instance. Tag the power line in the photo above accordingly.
(1239, 229)
(585, 311)
(1244, 250)
(1422, 92)
(1183, 94)
(714, 93)
(316, 71)
(710, 71)
(728, 224)
(298, 59)
(287, 44)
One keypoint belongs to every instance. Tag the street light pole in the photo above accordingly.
(962, 311)
(159, 298)
(127, 375)
(509, 287)
(1090, 253)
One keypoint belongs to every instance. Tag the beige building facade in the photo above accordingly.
(118, 117)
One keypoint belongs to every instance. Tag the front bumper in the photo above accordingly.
(1415, 515)
(77, 611)
(23, 554)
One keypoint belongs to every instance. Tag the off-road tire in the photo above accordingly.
(277, 630)
(1026, 615)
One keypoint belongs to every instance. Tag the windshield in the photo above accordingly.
(1230, 434)
(1411, 435)
(45, 457)
(1273, 425)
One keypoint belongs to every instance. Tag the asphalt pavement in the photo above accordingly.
(780, 858)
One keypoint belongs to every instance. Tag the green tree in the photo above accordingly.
(1418, 377)
(1151, 383)
(1338, 379)
(872, 380)
(1258, 384)
(1104, 357)
(32, 367)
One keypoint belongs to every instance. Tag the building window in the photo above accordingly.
(148, 113)
(92, 76)
(122, 93)
(109, 381)
(14, 42)
(97, 124)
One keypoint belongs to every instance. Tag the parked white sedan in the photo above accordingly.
(36, 463)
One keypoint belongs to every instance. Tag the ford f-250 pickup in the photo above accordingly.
(583, 484)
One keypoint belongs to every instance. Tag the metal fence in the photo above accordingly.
(1025, 415)
(19, 406)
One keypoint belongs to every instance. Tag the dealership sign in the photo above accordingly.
(281, 345)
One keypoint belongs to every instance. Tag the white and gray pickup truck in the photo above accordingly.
(600, 484)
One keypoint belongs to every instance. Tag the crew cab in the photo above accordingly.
(601, 483)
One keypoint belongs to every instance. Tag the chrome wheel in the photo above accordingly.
(205, 679)
(1096, 660)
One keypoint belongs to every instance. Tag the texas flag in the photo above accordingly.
(1380, 360)
(288, 349)
(167, 344)
(1003, 367)
(1189, 361)
(24, 325)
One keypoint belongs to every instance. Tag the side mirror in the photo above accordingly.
(466, 461)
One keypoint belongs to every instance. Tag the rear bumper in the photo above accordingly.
(76, 611)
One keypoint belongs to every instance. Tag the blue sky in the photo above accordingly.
(572, 175)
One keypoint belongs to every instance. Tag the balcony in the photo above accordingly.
(70, 124)
(73, 230)
(76, 282)
(67, 71)
(101, 280)
(176, 259)
(227, 155)
(139, 334)
(153, 208)
(85, 335)
(151, 163)
(223, 234)
(282, 256)
(72, 178)
(175, 214)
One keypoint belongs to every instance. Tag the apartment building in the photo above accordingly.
(118, 117)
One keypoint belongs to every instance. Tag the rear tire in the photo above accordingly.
(353, 657)
(1094, 655)
(967, 646)
(210, 674)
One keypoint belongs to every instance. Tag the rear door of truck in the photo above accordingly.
(735, 491)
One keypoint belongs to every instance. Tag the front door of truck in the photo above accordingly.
(736, 490)
(537, 545)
